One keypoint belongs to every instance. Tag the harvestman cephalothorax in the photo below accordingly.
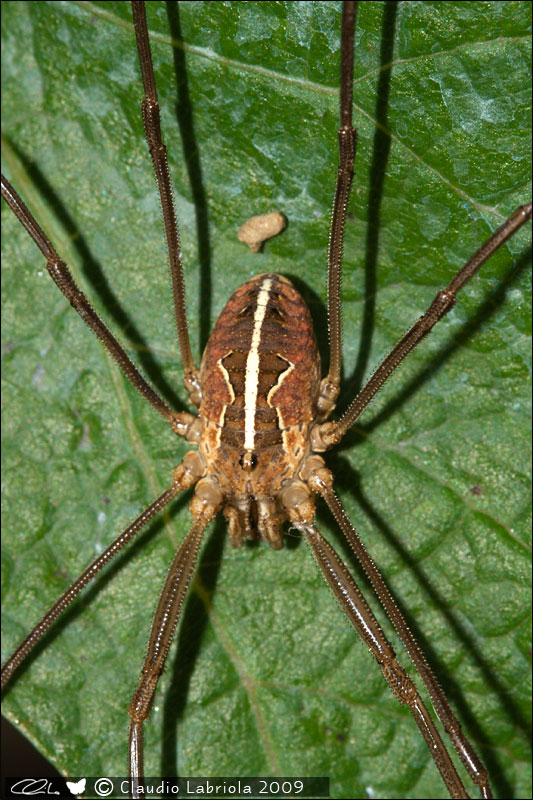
(66, 157)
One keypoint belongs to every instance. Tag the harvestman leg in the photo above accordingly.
(332, 432)
(163, 627)
(61, 275)
(183, 479)
(328, 434)
(445, 299)
(363, 620)
(158, 152)
(181, 423)
(185, 474)
(182, 569)
(347, 136)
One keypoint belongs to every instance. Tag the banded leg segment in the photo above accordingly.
(347, 135)
(331, 433)
(363, 620)
(163, 628)
(183, 477)
(158, 152)
(62, 277)
(452, 726)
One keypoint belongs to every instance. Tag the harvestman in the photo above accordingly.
(247, 389)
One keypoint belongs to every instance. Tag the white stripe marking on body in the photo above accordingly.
(281, 378)
(252, 366)
(222, 417)
(272, 392)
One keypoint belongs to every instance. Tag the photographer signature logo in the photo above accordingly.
(38, 786)
(77, 788)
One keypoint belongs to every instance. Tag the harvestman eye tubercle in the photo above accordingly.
(265, 415)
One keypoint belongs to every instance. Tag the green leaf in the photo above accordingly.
(267, 678)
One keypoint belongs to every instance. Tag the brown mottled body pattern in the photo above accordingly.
(283, 409)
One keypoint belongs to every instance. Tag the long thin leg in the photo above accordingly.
(183, 478)
(158, 152)
(331, 433)
(451, 724)
(163, 627)
(363, 620)
(60, 274)
(347, 135)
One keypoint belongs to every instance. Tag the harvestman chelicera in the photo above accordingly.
(256, 371)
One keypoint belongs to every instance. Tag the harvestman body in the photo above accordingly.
(261, 429)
